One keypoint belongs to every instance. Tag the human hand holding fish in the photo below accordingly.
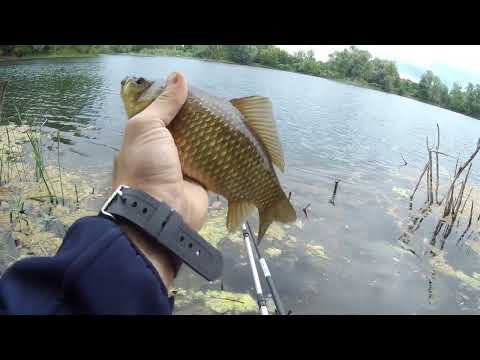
(149, 161)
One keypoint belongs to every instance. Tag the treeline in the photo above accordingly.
(48, 50)
(352, 65)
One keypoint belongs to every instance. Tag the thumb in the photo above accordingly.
(169, 103)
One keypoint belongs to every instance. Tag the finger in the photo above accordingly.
(169, 103)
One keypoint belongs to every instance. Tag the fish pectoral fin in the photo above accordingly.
(238, 212)
(258, 114)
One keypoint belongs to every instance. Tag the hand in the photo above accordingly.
(148, 161)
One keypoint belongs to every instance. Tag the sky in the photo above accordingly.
(461, 59)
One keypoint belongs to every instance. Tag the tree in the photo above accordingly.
(383, 73)
(471, 101)
(6, 49)
(274, 56)
(243, 54)
(351, 63)
(431, 89)
(457, 100)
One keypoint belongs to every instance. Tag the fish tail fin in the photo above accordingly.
(281, 211)
(238, 212)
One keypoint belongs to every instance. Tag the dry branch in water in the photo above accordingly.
(418, 184)
(305, 210)
(332, 200)
(453, 200)
(436, 159)
(471, 214)
(466, 199)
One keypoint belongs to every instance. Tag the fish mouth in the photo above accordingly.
(140, 81)
(134, 87)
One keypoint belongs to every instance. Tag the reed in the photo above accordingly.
(59, 168)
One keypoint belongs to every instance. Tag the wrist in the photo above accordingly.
(160, 233)
(170, 194)
(162, 259)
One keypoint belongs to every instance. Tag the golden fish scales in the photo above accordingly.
(228, 147)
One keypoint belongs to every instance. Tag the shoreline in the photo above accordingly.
(218, 61)
(15, 58)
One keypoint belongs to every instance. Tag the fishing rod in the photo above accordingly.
(268, 275)
(262, 304)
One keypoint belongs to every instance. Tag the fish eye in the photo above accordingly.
(140, 81)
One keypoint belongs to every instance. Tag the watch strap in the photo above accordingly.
(167, 227)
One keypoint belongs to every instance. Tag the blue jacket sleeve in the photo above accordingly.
(97, 270)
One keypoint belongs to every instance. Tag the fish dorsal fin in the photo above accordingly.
(238, 212)
(258, 114)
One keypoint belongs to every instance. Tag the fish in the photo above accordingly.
(229, 147)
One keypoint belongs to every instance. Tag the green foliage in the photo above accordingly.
(48, 50)
(457, 98)
(384, 74)
(350, 63)
(242, 54)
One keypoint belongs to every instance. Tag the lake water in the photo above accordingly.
(329, 131)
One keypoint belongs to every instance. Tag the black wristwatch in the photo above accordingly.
(166, 227)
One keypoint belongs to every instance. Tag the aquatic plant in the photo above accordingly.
(316, 250)
(59, 168)
(29, 209)
(439, 263)
(217, 302)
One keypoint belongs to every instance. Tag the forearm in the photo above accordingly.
(97, 270)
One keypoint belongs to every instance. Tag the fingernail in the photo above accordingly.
(172, 79)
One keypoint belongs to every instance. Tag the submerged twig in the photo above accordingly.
(440, 153)
(404, 161)
(466, 199)
(459, 172)
(76, 192)
(220, 298)
(429, 176)
(438, 228)
(305, 210)
(471, 215)
(332, 200)
(418, 184)
(436, 159)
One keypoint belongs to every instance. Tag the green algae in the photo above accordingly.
(218, 302)
(317, 251)
(273, 252)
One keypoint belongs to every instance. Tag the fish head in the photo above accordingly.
(137, 93)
